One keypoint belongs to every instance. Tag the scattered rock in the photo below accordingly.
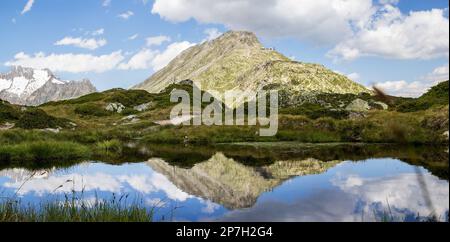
(356, 115)
(7, 126)
(130, 119)
(383, 105)
(144, 107)
(115, 107)
(56, 131)
(446, 134)
(187, 82)
(358, 105)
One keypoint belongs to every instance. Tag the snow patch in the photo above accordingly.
(19, 84)
(58, 82)
(4, 84)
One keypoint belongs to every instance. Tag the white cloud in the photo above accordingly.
(415, 88)
(142, 60)
(324, 21)
(106, 3)
(154, 59)
(126, 15)
(393, 2)
(98, 32)
(172, 51)
(404, 89)
(211, 34)
(391, 34)
(354, 28)
(439, 74)
(90, 44)
(133, 37)
(354, 77)
(157, 40)
(74, 63)
(27, 7)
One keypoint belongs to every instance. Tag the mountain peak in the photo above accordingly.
(28, 86)
(245, 38)
(238, 61)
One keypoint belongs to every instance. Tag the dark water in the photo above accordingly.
(254, 182)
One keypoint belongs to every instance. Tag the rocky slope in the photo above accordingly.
(238, 61)
(32, 87)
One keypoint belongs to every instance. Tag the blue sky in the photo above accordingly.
(400, 45)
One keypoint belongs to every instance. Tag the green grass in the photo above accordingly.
(436, 96)
(75, 210)
(43, 152)
(109, 146)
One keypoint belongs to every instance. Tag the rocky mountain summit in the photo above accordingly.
(33, 87)
(238, 61)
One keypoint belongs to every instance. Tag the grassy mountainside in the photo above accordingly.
(29, 117)
(238, 61)
(436, 96)
(85, 128)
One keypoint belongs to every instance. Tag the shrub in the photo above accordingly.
(91, 109)
(38, 119)
(8, 112)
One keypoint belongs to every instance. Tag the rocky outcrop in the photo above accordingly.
(115, 107)
(238, 61)
(33, 87)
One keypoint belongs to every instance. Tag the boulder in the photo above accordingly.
(115, 107)
(358, 105)
(383, 105)
(144, 107)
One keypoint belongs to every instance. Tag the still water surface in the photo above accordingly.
(290, 187)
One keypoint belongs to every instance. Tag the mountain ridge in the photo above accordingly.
(33, 87)
(238, 61)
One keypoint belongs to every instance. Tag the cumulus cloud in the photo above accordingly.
(157, 40)
(403, 88)
(74, 63)
(172, 51)
(354, 77)
(438, 74)
(126, 15)
(90, 44)
(27, 7)
(416, 88)
(319, 20)
(391, 34)
(142, 60)
(154, 59)
(353, 28)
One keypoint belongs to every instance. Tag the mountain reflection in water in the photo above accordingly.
(253, 184)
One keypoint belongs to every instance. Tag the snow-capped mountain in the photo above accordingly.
(27, 86)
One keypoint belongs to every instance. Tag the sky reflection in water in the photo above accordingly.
(287, 191)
